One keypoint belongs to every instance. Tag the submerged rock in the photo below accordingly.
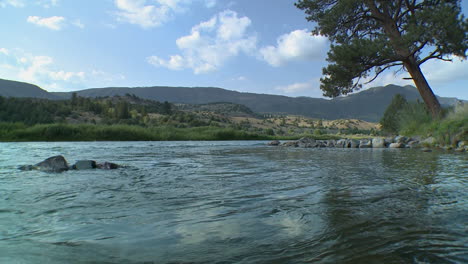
(59, 164)
(290, 144)
(26, 167)
(107, 166)
(274, 143)
(306, 143)
(52, 164)
(84, 165)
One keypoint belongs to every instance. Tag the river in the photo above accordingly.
(233, 202)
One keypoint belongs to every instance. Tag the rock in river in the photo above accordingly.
(274, 143)
(378, 143)
(59, 164)
(107, 166)
(397, 145)
(53, 164)
(84, 165)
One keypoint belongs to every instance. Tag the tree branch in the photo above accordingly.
(434, 55)
(378, 72)
(419, 48)
(410, 9)
(398, 10)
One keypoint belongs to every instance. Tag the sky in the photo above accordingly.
(258, 46)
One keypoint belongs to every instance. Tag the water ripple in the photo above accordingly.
(233, 202)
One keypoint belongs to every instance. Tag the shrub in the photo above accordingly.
(390, 121)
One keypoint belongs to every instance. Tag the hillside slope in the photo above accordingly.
(21, 89)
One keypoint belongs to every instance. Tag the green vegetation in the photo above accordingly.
(129, 118)
(369, 37)
(89, 132)
(390, 121)
(413, 119)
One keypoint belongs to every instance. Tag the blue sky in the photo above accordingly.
(259, 46)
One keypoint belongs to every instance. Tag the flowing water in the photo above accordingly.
(233, 202)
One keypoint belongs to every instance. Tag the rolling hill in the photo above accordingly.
(367, 105)
(21, 89)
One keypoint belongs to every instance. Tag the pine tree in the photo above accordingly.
(370, 36)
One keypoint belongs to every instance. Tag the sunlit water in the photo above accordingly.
(233, 202)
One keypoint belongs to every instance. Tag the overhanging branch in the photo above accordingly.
(379, 71)
(436, 54)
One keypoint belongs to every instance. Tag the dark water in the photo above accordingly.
(233, 202)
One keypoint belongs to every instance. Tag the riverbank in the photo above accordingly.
(19, 132)
(426, 144)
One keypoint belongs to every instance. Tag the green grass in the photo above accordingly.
(447, 131)
(12, 132)
(89, 132)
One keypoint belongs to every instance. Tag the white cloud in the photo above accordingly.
(175, 62)
(13, 3)
(443, 71)
(43, 71)
(138, 12)
(309, 88)
(54, 22)
(436, 72)
(295, 87)
(154, 13)
(297, 45)
(22, 3)
(210, 44)
(47, 3)
(66, 76)
(232, 27)
(4, 51)
(38, 69)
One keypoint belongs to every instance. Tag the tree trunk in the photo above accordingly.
(423, 87)
(391, 29)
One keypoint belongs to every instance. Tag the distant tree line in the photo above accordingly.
(32, 111)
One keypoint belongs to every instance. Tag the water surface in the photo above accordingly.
(233, 202)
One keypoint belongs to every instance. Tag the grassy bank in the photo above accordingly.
(447, 131)
(412, 119)
(11, 132)
(89, 132)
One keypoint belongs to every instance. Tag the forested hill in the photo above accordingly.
(367, 105)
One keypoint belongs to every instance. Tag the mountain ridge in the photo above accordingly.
(10, 88)
(367, 105)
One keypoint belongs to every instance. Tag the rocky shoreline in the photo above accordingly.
(394, 142)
